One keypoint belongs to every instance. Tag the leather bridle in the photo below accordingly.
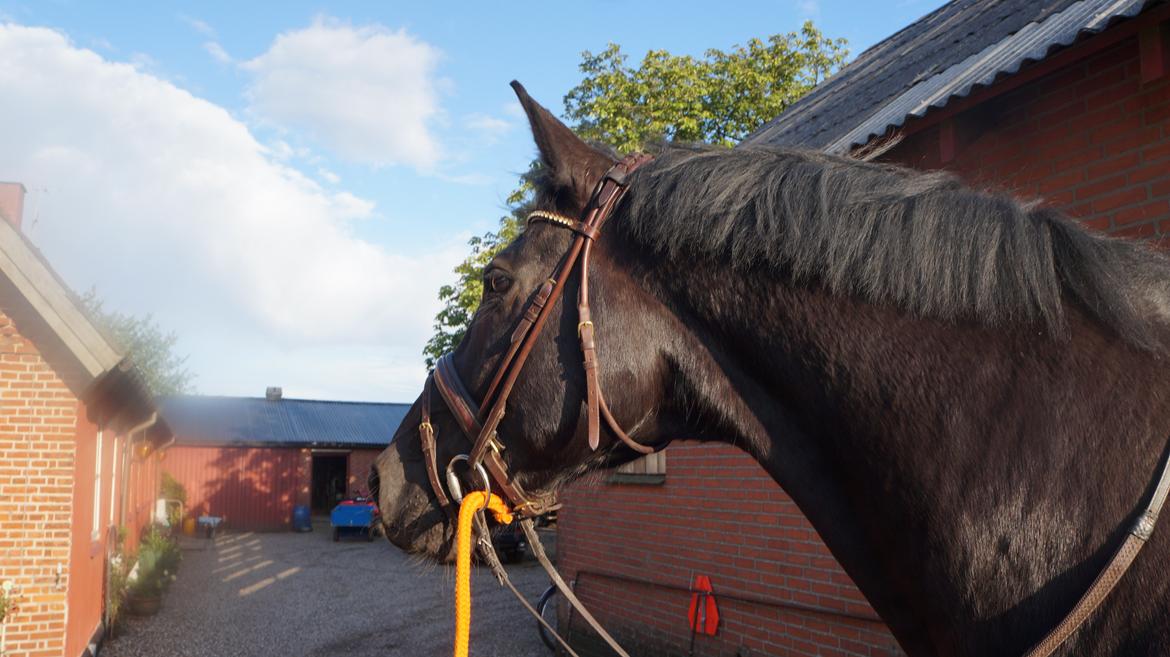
(485, 458)
(480, 422)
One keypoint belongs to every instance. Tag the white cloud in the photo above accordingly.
(369, 94)
(199, 26)
(217, 52)
(170, 205)
(489, 128)
(514, 110)
(328, 176)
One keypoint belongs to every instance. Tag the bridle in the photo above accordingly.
(480, 422)
(480, 426)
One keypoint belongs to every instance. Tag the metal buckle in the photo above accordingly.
(494, 444)
(456, 489)
(426, 426)
(582, 325)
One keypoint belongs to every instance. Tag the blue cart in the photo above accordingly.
(357, 516)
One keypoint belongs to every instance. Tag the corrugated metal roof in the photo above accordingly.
(205, 420)
(963, 45)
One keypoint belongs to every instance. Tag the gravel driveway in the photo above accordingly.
(287, 595)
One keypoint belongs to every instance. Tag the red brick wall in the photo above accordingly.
(37, 441)
(360, 461)
(793, 597)
(1089, 138)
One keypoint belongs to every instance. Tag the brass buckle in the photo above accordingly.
(494, 444)
(581, 326)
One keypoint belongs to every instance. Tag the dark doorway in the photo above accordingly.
(329, 473)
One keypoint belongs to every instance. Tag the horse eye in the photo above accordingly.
(498, 283)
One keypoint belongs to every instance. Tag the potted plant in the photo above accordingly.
(158, 561)
(145, 588)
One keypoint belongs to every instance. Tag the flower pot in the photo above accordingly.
(141, 604)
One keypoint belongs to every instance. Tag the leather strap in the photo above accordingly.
(479, 422)
(488, 553)
(463, 408)
(1108, 579)
(565, 589)
(426, 435)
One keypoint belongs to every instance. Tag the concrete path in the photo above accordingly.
(289, 595)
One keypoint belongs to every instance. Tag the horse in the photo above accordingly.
(968, 396)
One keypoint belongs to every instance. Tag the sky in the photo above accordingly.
(286, 187)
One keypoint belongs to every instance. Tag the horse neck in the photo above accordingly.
(971, 480)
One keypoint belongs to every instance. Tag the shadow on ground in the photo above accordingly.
(258, 595)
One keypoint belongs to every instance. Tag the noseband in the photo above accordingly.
(480, 425)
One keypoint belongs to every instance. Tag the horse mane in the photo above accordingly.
(922, 241)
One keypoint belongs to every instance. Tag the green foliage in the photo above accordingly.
(119, 585)
(158, 562)
(171, 489)
(719, 99)
(150, 348)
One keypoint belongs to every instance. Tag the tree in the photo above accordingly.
(151, 349)
(718, 99)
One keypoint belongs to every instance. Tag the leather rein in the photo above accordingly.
(485, 458)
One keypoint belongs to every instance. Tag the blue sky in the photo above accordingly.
(286, 187)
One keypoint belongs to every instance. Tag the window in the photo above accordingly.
(650, 469)
(114, 477)
(97, 489)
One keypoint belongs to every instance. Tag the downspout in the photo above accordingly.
(127, 457)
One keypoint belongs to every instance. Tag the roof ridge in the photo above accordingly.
(288, 399)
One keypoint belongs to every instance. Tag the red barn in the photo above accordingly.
(1061, 101)
(79, 452)
(251, 460)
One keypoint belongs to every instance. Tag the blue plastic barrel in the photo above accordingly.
(302, 521)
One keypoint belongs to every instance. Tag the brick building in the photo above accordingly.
(1064, 102)
(79, 451)
(251, 460)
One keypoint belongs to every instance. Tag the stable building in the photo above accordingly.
(252, 460)
(1064, 102)
(80, 444)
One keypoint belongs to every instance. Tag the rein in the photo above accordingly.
(480, 425)
(485, 458)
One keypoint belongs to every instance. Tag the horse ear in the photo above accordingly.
(573, 167)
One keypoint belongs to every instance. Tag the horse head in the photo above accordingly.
(543, 438)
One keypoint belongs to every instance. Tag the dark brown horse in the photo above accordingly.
(968, 397)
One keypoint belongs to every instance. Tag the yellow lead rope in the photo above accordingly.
(472, 502)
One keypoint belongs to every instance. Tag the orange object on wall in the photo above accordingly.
(703, 613)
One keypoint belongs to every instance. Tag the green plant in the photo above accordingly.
(159, 556)
(119, 584)
(171, 489)
(4, 601)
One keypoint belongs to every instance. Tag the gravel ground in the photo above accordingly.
(245, 595)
